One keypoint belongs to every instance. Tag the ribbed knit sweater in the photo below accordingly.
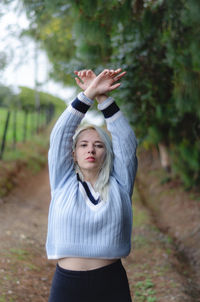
(76, 226)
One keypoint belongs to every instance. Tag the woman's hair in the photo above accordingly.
(102, 182)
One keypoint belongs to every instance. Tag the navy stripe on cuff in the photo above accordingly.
(80, 106)
(110, 110)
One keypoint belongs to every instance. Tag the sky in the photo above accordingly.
(23, 69)
(21, 55)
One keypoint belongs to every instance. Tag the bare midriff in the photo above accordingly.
(84, 264)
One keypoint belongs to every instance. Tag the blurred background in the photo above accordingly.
(157, 42)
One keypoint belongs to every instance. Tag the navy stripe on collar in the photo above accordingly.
(87, 190)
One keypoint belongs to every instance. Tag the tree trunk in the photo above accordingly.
(164, 157)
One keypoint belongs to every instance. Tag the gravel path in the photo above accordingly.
(25, 274)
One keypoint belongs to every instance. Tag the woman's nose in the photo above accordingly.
(91, 149)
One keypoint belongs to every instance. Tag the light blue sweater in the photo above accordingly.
(76, 226)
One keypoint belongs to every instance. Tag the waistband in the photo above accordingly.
(116, 266)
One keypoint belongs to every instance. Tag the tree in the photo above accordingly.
(156, 41)
(6, 96)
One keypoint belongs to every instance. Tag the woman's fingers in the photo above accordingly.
(82, 73)
(115, 73)
(118, 70)
(90, 73)
(118, 77)
(105, 72)
(114, 86)
(78, 82)
(104, 82)
(85, 72)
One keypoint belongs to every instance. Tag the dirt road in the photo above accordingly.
(25, 274)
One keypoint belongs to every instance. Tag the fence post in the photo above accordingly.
(37, 120)
(14, 128)
(25, 125)
(47, 115)
(33, 123)
(4, 135)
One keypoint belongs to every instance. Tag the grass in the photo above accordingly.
(20, 254)
(151, 271)
(140, 241)
(4, 298)
(31, 155)
(145, 291)
(20, 117)
(19, 257)
(17, 267)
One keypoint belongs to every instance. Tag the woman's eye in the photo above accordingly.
(83, 145)
(99, 146)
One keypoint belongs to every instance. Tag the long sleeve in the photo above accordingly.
(60, 156)
(124, 145)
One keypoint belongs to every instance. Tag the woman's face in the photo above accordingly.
(89, 152)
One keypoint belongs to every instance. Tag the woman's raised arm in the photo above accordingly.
(61, 164)
(123, 137)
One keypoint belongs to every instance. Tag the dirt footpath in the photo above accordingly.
(153, 270)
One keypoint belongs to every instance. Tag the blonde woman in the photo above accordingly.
(90, 215)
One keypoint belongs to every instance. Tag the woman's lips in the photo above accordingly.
(90, 159)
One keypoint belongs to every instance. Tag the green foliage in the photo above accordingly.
(75, 34)
(23, 115)
(31, 155)
(162, 85)
(27, 99)
(6, 95)
(144, 291)
(148, 86)
(31, 126)
(156, 42)
(186, 159)
(182, 39)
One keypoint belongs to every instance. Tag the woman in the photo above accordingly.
(91, 179)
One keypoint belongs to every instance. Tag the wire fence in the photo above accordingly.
(18, 126)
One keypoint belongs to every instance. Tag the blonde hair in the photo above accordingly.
(102, 182)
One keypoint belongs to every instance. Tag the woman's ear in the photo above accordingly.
(74, 156)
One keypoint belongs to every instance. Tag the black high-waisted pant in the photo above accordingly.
(105, 284)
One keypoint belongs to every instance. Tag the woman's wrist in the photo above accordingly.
(90, 93)
(101, 98)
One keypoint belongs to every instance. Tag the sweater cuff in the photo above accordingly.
(109, 109)
(106, 103)
(81, 103)
(83, 98)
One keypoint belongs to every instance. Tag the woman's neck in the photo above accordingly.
(90, 176)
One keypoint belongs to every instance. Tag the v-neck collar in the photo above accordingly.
(93, 196)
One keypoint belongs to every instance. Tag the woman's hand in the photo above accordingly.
(104, 83)
(98, 86)
(85, 78)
